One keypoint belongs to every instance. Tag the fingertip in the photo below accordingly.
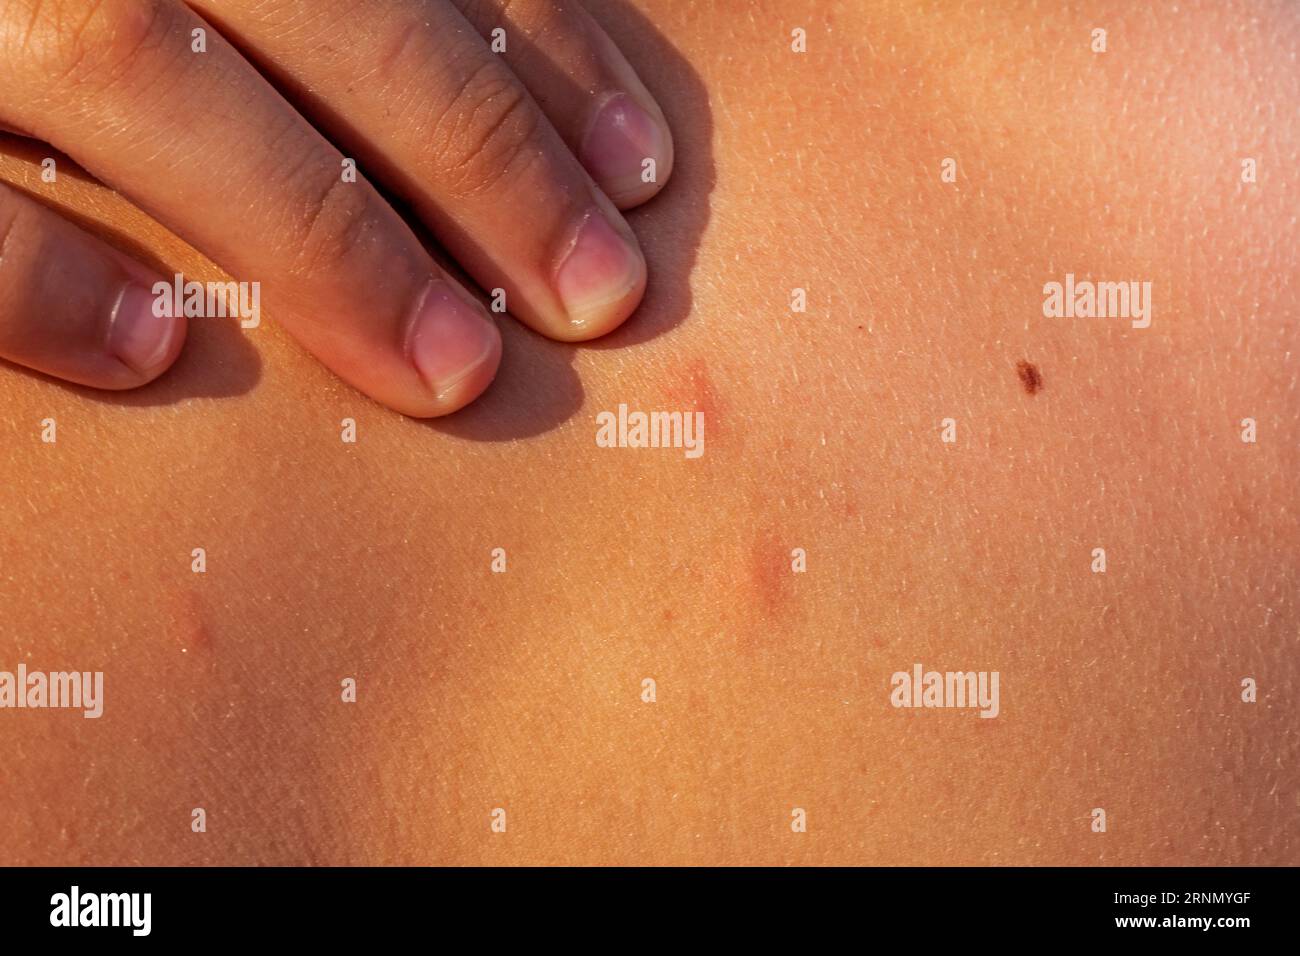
(628, 150)
(142, 337)
(467, 389)
(456, 348)
(600, 278)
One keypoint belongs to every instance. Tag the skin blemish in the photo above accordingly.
(771, 581)
(191, 625)
(695, 391)
(1030, 377)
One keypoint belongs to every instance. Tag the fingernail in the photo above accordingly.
(449, 339)
(598, 270)
(621, 138)
(138, 336)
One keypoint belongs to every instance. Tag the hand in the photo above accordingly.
(233, 122)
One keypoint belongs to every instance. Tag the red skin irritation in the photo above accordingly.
(695, 391)
(771, 583)
(191, 628)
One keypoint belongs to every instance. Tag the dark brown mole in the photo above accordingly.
(1030, 377)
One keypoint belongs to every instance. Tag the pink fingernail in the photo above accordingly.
(622, 137)
(600, 269)
(137, 335)
(450, 340)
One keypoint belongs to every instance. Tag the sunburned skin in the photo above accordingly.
(883, 488)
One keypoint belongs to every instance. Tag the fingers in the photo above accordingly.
(139, 92)
(411, 89)
(590, 92)
(73, 307)
(191, 132)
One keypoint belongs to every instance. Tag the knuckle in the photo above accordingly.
(393, 51)
(488, 133)
(98, 41)
(338, 224)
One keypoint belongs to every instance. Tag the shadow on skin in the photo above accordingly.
(217, 361)
(537, 388)
(670, 226)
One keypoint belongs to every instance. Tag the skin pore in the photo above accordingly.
(522, 690)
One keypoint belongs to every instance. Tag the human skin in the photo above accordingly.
(213, 115)
(523, 690)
